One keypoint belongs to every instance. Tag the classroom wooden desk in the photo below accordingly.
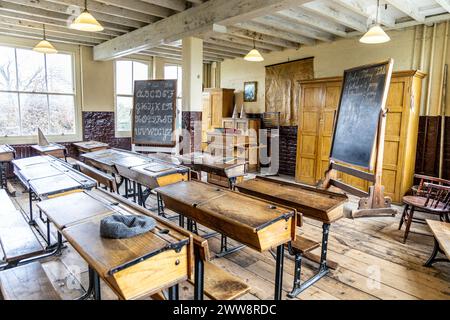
(253, 222)
(90, 146)
(7, 154)
(150, 173)
(46, 176)
(133, 268)
(53, 149)
(321, 205)
(227, 167)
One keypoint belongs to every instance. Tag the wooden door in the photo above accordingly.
(312, 99)
(394, 144)
(327, 118)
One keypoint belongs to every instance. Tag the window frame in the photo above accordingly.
(179, 99)
(31, 139)
(126, 134)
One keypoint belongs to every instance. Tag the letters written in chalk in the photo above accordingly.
(154, 112)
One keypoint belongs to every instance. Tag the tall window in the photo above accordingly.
(126, 73)
(36, 91)
(174, 72)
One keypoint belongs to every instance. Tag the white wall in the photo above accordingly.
(331, 59)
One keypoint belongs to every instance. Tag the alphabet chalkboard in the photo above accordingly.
(154, 112)
(363, 97)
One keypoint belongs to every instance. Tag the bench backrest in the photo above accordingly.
(102, 178)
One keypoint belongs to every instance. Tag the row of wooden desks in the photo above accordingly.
(321, 205)
(253, 222)
(145, 171)
(132, 268)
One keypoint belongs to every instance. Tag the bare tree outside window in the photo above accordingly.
(36, 91)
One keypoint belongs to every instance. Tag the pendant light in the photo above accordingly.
(254, 55)
(44, 46)
(86, 21)
(375, 34)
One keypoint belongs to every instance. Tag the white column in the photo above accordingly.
(192, 56)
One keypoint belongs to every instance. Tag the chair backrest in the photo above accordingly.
(438, 196)
(421, 190)
(101, 177)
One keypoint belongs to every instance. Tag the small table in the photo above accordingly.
(53, 149)
(90, 146)
(132, 268)
(255, 223)
(7, 154)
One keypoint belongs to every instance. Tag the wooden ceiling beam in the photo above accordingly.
(95, 6)
(409, 8)
(274, 32)
(262, 38)
(444, 4)
(74, 11)
(192, 22)
(24, 18)
(369, 12)
(176, 5)
(291, 26)
(303, 17)
(63, 17)
(330, 11)
(140, 6)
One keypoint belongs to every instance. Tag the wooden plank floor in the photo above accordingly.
(374, 264)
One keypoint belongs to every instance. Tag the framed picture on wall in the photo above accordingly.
(250, 91)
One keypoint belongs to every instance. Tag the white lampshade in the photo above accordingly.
(45, 47)
(254, 56)
(86, 22)
(375, 35)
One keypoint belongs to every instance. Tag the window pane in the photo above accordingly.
(8, 79)
(140, 71)
(179, 82)
(31, 68)
(124, 108)
(62, 114)
(34, 113)
(124, 77)
(9, 114)
(59, 73)
(170, 72)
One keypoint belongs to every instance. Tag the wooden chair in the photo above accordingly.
(430, 198)
(418, 190)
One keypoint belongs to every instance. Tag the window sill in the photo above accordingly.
(33, 139)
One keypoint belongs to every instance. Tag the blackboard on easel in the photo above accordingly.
(358, 114)
(358, 136)
(154, 113)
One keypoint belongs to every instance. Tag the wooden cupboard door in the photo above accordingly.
(396, 123)
(206, 116)
(308, 133)
(216, 110)
(327, 118)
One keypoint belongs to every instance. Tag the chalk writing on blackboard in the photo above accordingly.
(154, 112)
(358, 116)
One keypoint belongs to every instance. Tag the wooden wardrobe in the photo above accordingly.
(217, 104)
(318, 103)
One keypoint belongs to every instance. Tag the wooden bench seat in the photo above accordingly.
(303, 245)
(28, 282)
(441, 233)
(17, 240)
(218, 283)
